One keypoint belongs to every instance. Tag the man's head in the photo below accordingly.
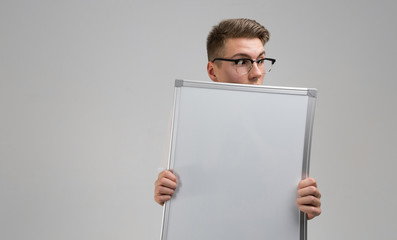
(234, 39)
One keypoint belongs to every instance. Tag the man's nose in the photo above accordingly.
(255, 71)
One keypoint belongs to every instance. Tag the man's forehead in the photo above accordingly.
(245, 47)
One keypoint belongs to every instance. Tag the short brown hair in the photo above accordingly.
(233, 28)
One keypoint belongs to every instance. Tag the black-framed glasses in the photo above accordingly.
(244, 65)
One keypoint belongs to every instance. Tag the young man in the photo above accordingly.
(236, 54)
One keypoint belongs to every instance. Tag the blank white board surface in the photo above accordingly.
(239, 152)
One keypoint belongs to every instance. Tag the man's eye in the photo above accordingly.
(242, 62)
(261, 61)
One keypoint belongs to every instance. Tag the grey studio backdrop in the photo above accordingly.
(86, 91)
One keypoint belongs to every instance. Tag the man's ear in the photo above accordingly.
(211, 71)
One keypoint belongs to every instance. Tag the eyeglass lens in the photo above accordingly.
(245, 66)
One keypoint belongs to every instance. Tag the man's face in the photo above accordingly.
(235, 48)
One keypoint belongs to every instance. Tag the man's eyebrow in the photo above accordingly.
(244, 55)
(260, 54)
(241, 55)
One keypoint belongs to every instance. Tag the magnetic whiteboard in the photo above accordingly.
(239, 152)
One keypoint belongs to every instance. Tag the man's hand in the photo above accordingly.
(309, 198)
(165, 186)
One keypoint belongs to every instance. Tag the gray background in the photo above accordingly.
(86, 90)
